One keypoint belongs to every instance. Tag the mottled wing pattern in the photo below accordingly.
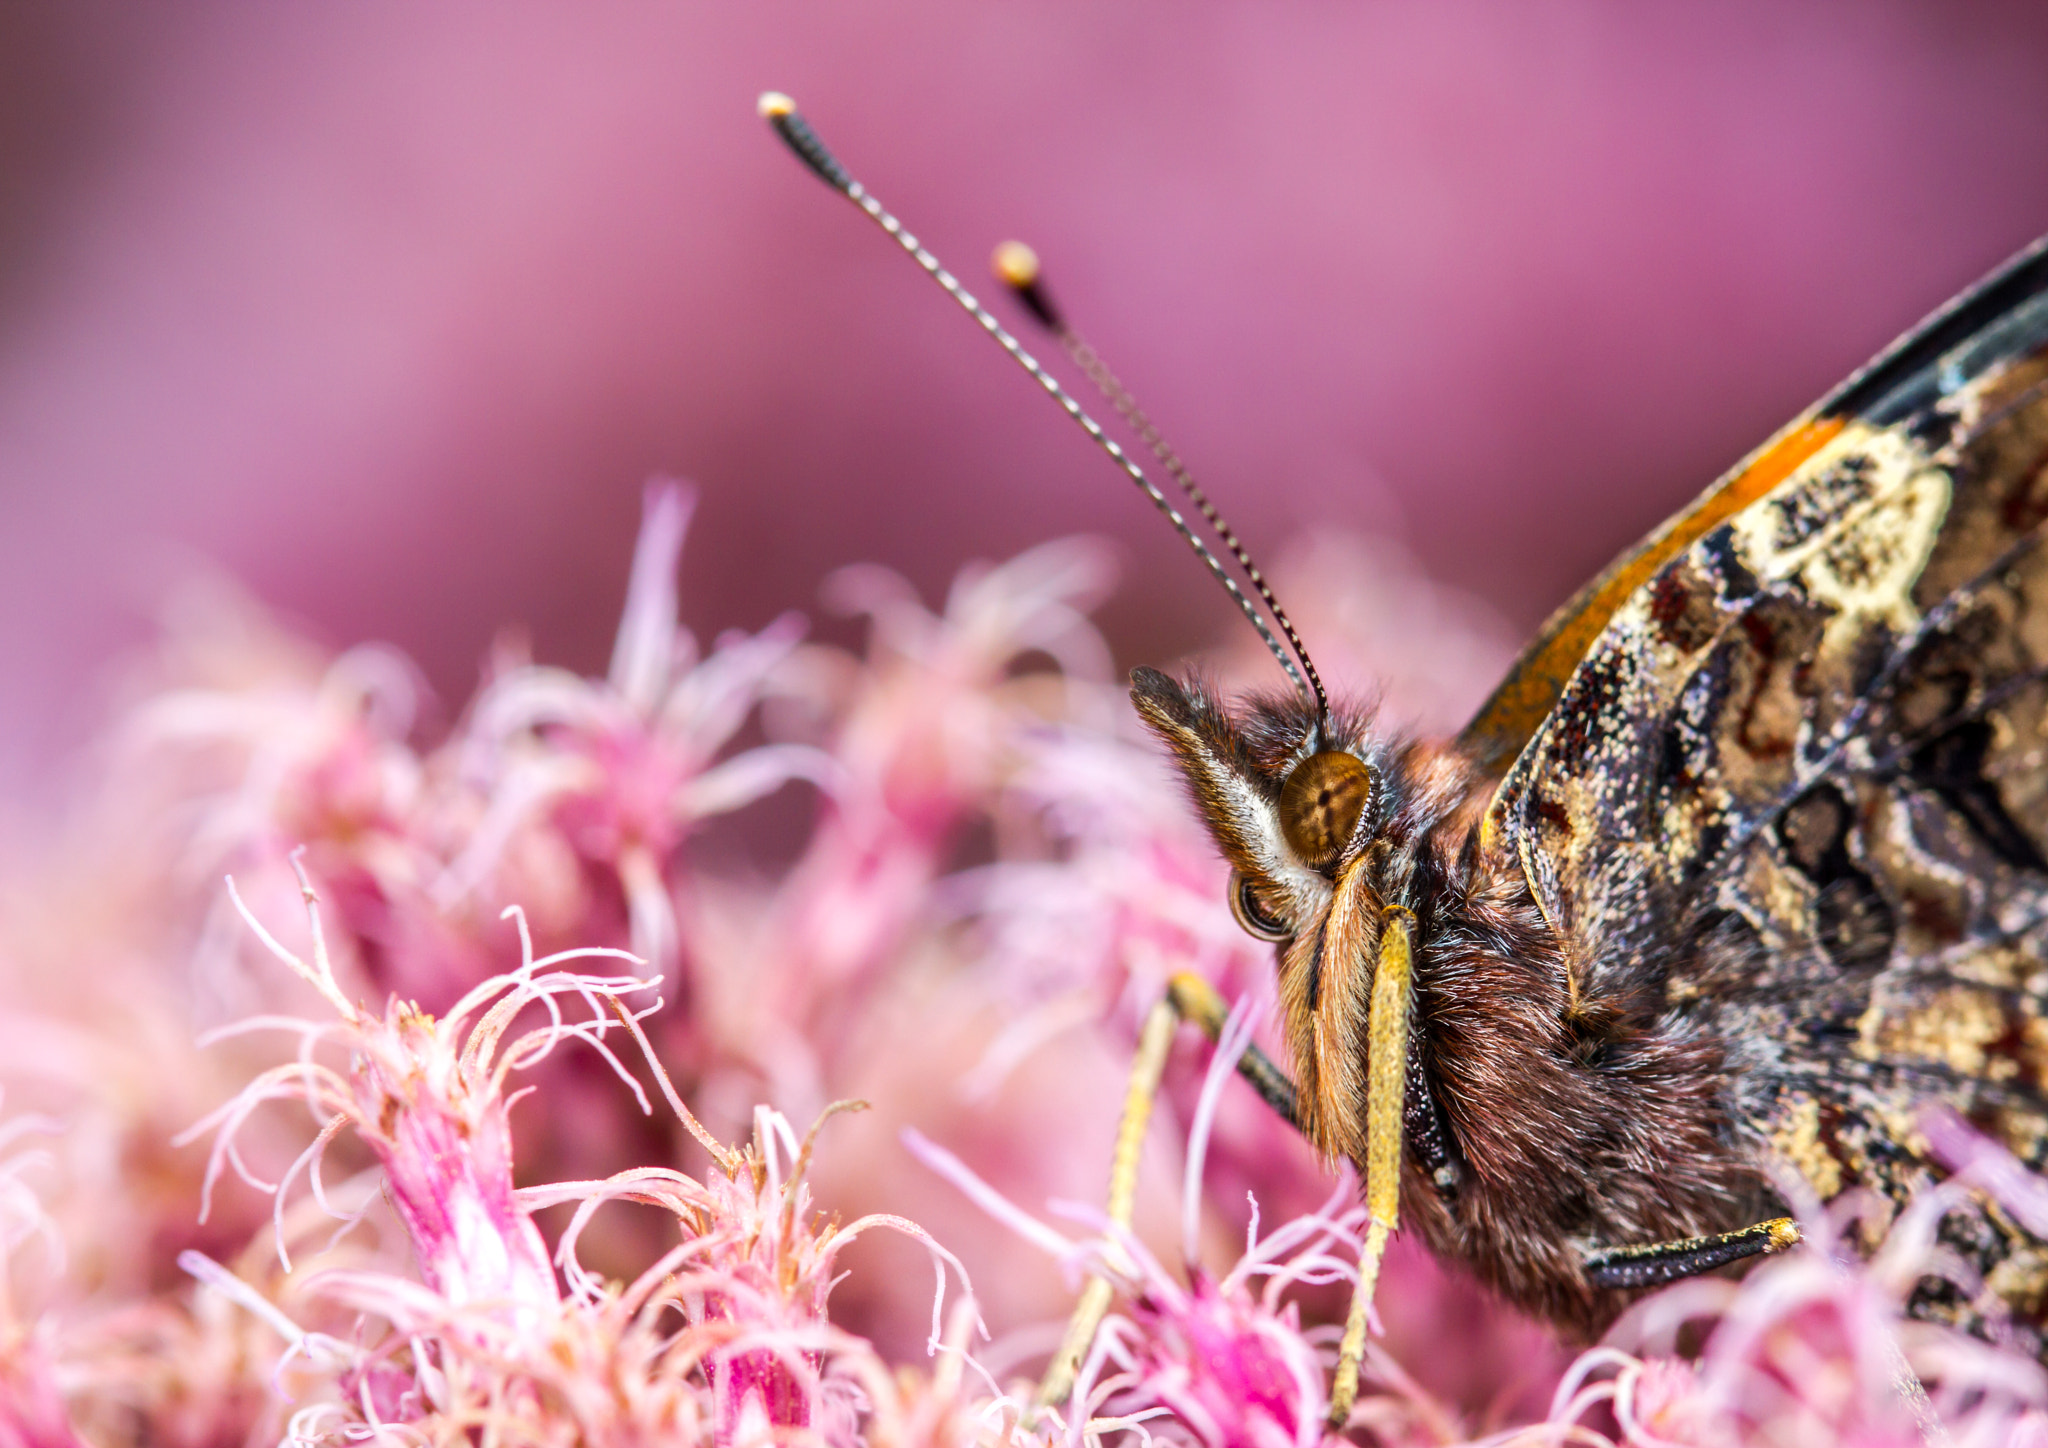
(1525, 697)
(1798, 783)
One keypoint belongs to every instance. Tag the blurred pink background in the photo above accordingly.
(388, 312)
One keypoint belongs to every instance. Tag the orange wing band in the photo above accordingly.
(1508, 719)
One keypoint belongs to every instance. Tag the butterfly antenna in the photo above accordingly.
(781, 113)
(1016, 267)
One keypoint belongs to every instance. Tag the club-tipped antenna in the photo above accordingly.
(781, 113)
(1016, 267)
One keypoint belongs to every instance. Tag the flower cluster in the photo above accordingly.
(261, 1179)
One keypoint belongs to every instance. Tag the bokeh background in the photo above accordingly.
(387, 311)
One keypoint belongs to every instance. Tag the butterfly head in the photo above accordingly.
(1292, 800)
(1312, 814)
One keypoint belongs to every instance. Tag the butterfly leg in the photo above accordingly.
(1656, 1263)
(1194, 999)
(1660, 1262)
(1188, 998)
(1387, 1068)
(1191, 998)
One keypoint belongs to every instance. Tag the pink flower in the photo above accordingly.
(925, 733)
(726, 1332)
(1000, 880)
(32, 1412)
(620, 770)
(427, 1097)
(1812, 1347)
(574, 793)
(1210, 1361)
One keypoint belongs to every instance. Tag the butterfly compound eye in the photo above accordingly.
(1321, 803)
(1251, 914)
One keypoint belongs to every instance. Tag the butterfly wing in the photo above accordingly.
(1507, 720)
(1783, 770)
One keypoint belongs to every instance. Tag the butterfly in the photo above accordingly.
(1741, 868)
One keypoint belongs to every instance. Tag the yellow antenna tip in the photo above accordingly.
(1015, 264)
(774, 104)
